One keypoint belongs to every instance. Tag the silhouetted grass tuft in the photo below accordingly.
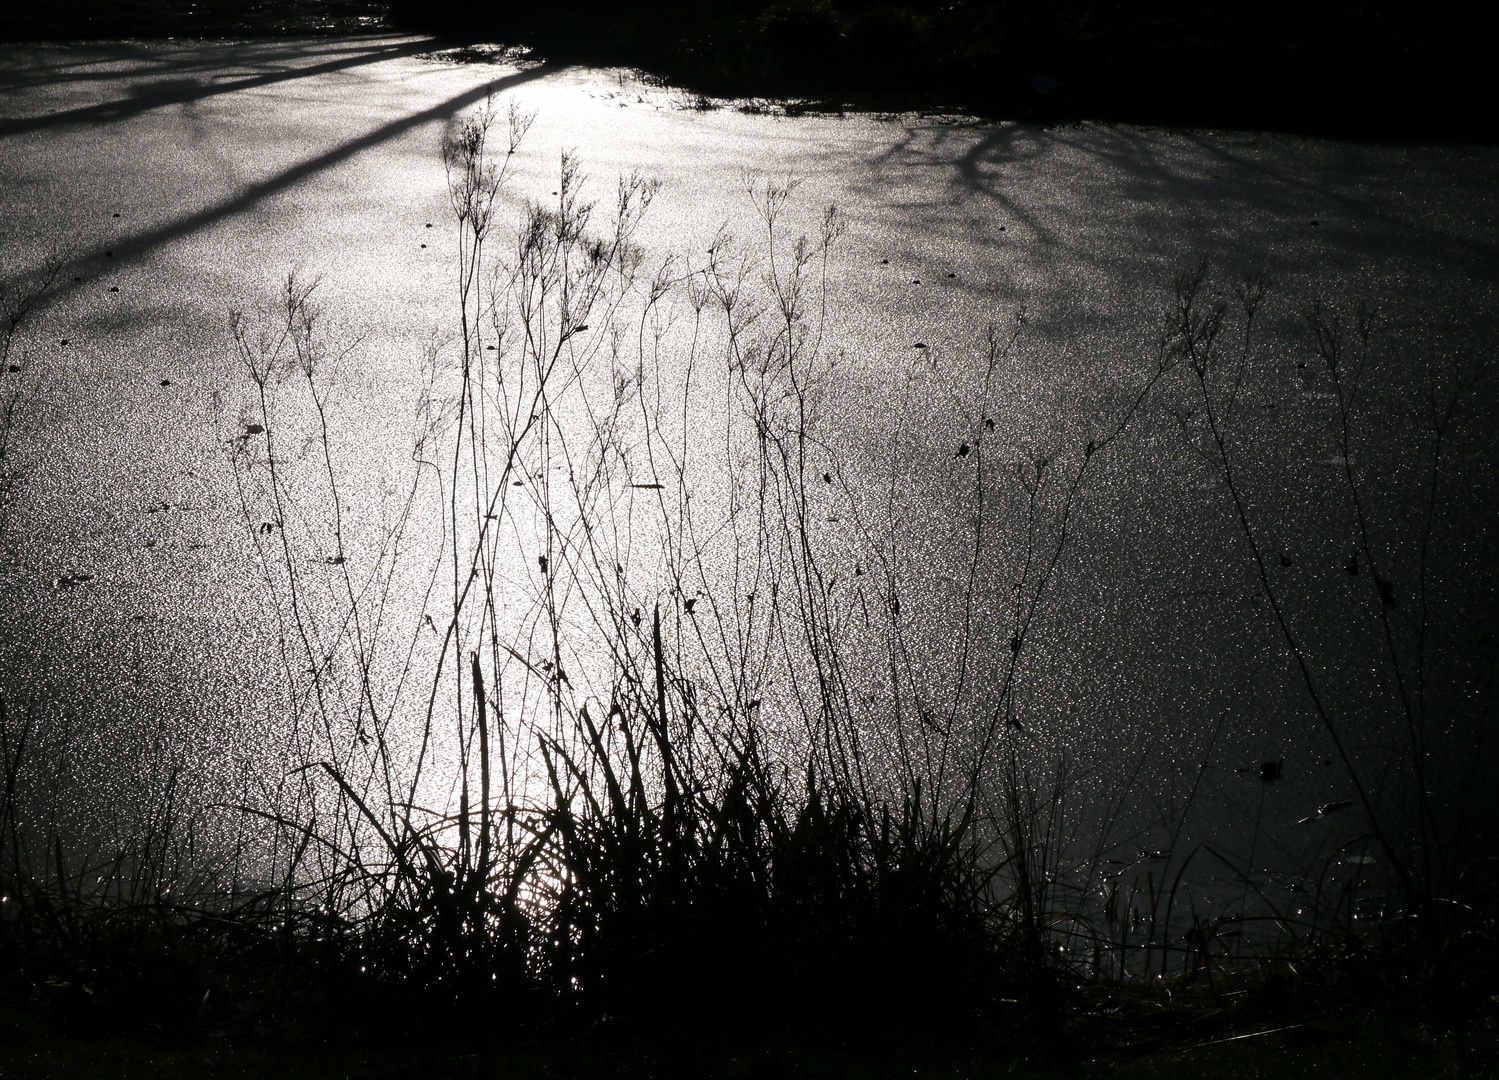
(700, 903)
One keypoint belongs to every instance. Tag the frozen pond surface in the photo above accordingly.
(178, 181)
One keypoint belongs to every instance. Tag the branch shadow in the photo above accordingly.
(20, 68)
(1106, 195)
(134, 248)
(183, 89)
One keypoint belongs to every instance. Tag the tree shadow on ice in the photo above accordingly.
(157, 92)
(1110, 197)
(100, 61)
(134, 248)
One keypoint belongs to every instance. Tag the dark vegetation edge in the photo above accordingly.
(1362, 70)
(1356, 70)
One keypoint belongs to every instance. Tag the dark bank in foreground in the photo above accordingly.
(726, 927)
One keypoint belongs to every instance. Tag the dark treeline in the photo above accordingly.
(1353, 68)
(114, 19)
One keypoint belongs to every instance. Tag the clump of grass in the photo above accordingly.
(736, 897)
(702, 896)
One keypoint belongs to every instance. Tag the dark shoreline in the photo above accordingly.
(102, 20)
(1351, 73)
